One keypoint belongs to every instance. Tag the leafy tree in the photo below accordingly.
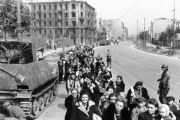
(144, 37)
(8, 17)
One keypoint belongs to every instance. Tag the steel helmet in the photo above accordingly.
(164, 66)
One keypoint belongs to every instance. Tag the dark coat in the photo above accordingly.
(68, 104)
(131, 103)
(111, 110)
(79, 113)
(120, 87)
(95, 95)
(147, 116)
(164, 80)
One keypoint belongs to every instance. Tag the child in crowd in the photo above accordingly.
(165, 113)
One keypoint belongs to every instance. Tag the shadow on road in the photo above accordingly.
(61, 106)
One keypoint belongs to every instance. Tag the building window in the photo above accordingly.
(39, 15)
(49, 23)
(50, 31)
(73, 14)
(81, 5)
(66, 23)
(39, 7)
(56, 23)
(66, 14)
(49, 7)
(81, 14)
(39, 23)
(60, 6)
(55, 31)
(74, 23)
(34, 7)
(44, 7)
(34, 15)
(45, 32)
(39, 31)
(60, 31)
(44, 23)
(66, 6)
(34, 24)
(55, 15)
(44, 15)
(55, 7)
(73, 6)
(49, 15)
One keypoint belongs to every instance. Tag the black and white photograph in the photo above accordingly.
(89, 59)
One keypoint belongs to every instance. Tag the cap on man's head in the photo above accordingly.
(170, 98)
(6, 104)
(139, 83)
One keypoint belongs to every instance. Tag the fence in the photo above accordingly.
(167, 43)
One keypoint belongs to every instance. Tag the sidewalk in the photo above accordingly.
(165, 51)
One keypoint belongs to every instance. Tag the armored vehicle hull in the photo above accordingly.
(30, 84)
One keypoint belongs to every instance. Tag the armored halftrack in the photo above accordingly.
(25, 81)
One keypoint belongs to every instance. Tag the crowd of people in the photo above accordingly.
(94, 95)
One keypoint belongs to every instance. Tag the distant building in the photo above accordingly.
(160, 25)
(116, 29)
(64, 19)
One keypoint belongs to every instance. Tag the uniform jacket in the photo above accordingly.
(80, 113)
(164, 81)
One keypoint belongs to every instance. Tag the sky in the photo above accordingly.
(129, 11)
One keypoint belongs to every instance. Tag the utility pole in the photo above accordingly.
(144, 24)
(137, 28)
(18, 21)
(174, 29)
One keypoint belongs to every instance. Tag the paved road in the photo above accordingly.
(133, 65)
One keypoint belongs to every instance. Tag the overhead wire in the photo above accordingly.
(129, 10)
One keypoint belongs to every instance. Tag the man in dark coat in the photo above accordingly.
(134, 92)
(69, 102)
(60, 67)
(164, 85)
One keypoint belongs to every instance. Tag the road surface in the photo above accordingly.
(133, 65)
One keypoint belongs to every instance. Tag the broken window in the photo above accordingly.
(74, 23)
(73, 6)
(73, 14)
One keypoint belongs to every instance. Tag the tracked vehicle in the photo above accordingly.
(29, 83)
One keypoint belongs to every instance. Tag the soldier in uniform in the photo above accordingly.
(164, 85)
(108, 58)
(14, 111)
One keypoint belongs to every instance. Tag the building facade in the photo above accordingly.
(160, 25)
(64, 19)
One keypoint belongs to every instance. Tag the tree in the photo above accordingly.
(8, 17)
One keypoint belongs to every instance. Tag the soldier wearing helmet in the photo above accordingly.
(164, 85)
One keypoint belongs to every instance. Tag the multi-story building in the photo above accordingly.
(64, 19)
(160, 25)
